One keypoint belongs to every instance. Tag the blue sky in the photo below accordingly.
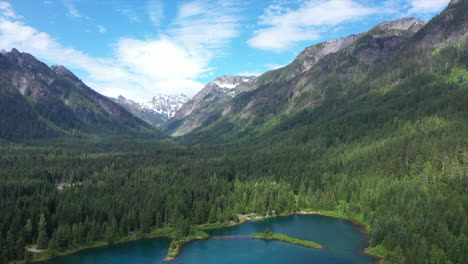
(140, 48)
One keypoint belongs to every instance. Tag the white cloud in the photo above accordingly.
(7, 10)
(285, 27)
(404, 8)
(138, 69)
(156, 12)
(71, 8)
(274, 66)
(161, 59)
(427, 6)
(102, 29)
(205, 24)
(258, 73)
(281, 37)
(130, 14)
(249, 73)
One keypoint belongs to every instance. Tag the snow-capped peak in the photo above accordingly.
(160, 109)
(226, 85)
(231, 85)
(166, 105)
(227, 82)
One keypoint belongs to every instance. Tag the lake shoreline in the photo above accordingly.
(361, 227)
(76, 251)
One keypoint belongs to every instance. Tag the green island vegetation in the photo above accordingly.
(268, 235)
(178, 242)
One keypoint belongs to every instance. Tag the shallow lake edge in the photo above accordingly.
(361, 227)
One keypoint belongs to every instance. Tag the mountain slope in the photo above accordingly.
(54, 102)
(301, 84)
(372, 63)
(155, 112)
(200, 109)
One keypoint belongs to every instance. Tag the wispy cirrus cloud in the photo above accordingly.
(130, 14)
(425, 6)
(206, 24)
(71, 8)
(102, 29)
(249, 73)
(7, 10)
(155, 11)
(282, 27)
(274, 66)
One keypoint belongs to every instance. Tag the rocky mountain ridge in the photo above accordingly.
(41, 101)
(157, 111)
(219, 91)
(294, 87)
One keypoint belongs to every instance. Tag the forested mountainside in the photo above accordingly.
(387, 145)
(301, 84)
(318, 74)
(38, 101)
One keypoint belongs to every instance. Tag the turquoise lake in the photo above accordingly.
(343, 241)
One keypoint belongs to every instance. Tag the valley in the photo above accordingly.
(371, 128)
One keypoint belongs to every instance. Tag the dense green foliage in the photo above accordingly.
(389, 148)
(282, 237)
(178, 242)
(404, 171)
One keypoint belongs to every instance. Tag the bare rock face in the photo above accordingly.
(62, 71)
(157, 111)
(196, 112)
(221, 88)
(385, 38)
(405, 24)
(311, 55)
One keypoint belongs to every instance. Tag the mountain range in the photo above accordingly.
(53, 101)
(155, 112)
(371, 127)
(41, 101)
(297, 86)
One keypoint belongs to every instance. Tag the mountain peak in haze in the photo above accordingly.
(157, 111)
(411, 23)
(63, 71)
(221, 88)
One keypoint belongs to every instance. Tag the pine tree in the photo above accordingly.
(42, 239)
(28, 230)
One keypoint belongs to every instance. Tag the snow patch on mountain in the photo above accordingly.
(157, 111)
(166, 105)
(226, 85)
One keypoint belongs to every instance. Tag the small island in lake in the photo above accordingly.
(268, 235)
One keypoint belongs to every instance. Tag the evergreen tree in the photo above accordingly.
(28, 231)
(42, 239)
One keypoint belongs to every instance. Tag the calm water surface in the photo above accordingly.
(342, 240)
